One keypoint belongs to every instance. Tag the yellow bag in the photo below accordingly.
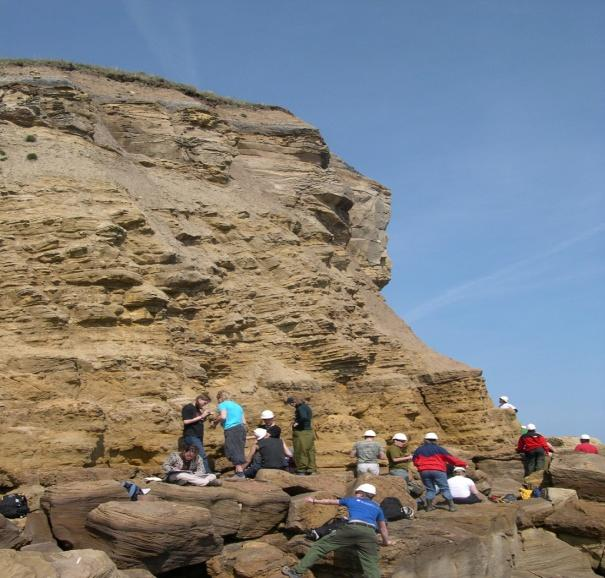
(525, 494)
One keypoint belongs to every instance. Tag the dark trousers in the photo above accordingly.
(534, 461)
(472, 499)
(362, 538)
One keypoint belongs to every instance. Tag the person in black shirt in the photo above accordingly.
(303, 437)
(268, 453)
(194, 414)
(269, 424)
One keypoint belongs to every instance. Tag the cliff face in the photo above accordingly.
(165, 243)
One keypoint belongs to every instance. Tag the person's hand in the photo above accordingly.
(388, 543)
(310, 500)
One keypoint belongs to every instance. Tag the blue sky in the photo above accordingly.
(485, 118)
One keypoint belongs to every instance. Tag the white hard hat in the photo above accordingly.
(504, 398)
(370, 433)
(459, 469)
(531, 427)
(431, 436)
(585, 437)
(267, 414)
(367, 488)
(400, 437)
(260, 433)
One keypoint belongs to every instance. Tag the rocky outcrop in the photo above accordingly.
(76, 563)
(10, 534)
(161, 536)
(584, 473)
(163, 241)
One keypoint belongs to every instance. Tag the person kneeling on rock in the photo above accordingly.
(463, 489)
(268, 453)
(187, 467)
(365, 518)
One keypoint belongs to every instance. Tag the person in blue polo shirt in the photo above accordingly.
(365, 518)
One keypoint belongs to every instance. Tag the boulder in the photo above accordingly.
(254, 559)
(303, 516)
(508, 466)
(160, 536)
(543, 554)
(246, 509)
(67, 506)
(37, 528)
(72, 564)
(581, 518)
(584, 473)
(10, 534)
(293, 484)
(533, 512)
(560, 496)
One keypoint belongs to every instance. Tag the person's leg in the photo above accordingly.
(299, 455)
(427, 480)
(196, 480)
(367, 550)
(540, 460)
(338, 539)
(309, 443)
(472, 499)
(440, 479)
(531, 462)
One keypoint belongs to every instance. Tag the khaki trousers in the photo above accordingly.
(304, 450)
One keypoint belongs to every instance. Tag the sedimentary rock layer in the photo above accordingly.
(155, 242)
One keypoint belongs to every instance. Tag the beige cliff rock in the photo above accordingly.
(166, 242)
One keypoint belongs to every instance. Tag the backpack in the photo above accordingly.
(133, 490)
(394, 510)
(14, 506)
(329, 527)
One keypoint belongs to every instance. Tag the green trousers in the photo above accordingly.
(362, 538)
(304, 450)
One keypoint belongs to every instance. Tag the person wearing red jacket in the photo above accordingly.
(585, 446)
(431, 462)
(534, 448)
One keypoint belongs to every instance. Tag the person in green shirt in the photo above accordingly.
(399, 457)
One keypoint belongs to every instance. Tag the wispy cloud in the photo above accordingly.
(515, 276)
(167, 33)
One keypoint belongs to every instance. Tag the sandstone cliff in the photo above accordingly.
(166, 241)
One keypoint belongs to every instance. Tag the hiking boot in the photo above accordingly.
(450, 506)
(287, 571)
(428, 505)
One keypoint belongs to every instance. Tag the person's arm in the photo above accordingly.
(323, 502)
(197, 418)
(286, 449)
(402, 459)
(251, 455)
(520, 445)
(384, 533)
(170, 463)
(382, 455)
(475, 491)
(450, 459)
(353, 452)
(200, 470)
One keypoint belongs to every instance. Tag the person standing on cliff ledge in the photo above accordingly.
(194, 415)
(231, 417)
(503, 403)
(431, 462)
(585, 446)
(303, 437)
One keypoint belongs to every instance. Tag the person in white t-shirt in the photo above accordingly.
(463, 489)
(503, 403)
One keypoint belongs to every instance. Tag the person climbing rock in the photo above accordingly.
(368, 452)
(399, 457)
(365, 518)
(503, 403)
(534, 448)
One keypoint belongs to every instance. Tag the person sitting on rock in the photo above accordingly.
(365, 518)
(399, 457)
(463, 489)
(504, 404)
(585, 446)
(534, 448)
(231, 417)
(431, 462)
(268, 423)
(268, 453)
(368, 452)
(187, 467)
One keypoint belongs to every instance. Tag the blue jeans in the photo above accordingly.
(400, 473)
(197, 442)
(433, 479)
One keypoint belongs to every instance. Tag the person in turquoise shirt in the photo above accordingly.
(231, 417)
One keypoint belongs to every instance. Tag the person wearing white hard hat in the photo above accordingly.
(368, 453)
(585, 446)
(463, 489)
(534, 448)
(268, 423)
(399, 457)
(503, 403)
(365, 518)
(431, 462)
(267, 453)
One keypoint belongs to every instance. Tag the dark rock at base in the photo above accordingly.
(584, 473)
(10, 534)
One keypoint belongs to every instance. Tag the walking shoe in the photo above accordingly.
(287, 571)
(428, 505)
(450, 506)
